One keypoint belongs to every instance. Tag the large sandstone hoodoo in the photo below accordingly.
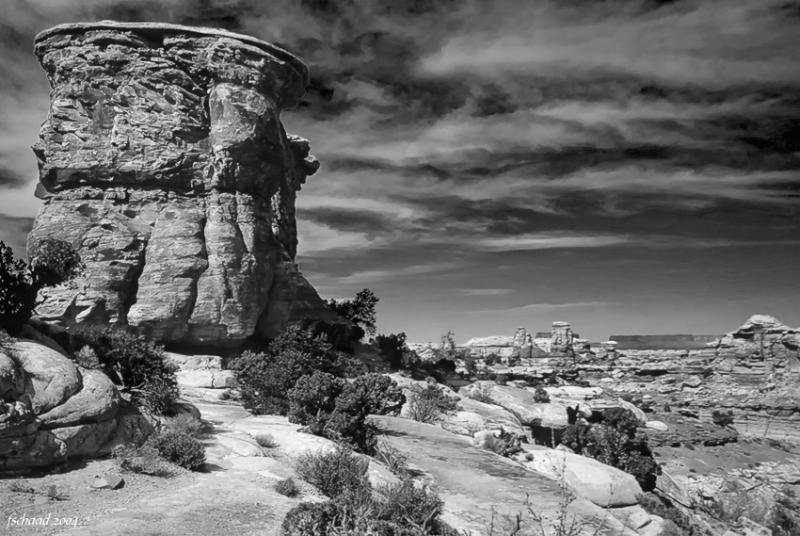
(163, 160)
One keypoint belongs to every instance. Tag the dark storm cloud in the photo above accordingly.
(348, 220)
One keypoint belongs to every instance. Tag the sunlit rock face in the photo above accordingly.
(163, 160)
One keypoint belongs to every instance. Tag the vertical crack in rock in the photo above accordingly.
(164, 161)
(133, 288)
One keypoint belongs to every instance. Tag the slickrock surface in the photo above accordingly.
(164, 162)
(474, 482)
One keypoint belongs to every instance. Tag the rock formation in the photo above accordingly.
(561, 338)
(164, 162)
(508, 349)
(752, 371)
(52, 410)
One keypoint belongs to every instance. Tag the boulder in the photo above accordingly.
(51, 377)
(97, 401)
(602, 484)
(52, 410)
(475, 416)
(519, 402)
(657, 426)
(107, 481)
(640, 415)
(204, 371)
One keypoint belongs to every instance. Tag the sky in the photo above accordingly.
(630, 166)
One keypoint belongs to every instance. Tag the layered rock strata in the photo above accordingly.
(751, 372)
(163, 160)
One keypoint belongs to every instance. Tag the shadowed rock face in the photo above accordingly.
(164, 162)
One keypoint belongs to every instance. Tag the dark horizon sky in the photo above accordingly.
(629, 166)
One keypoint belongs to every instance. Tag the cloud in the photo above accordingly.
(543, 307)
(364, 277)
(536, 241)
(709, 43)
(14, 231)
(485, 291)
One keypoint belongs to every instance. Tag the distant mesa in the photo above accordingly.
(663, 342)
(164, 162)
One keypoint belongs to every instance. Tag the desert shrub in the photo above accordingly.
(721, 418)
(159, 394)
(266, 441)
(785, 515)
(309, 519)
(360, 310)
(134, 362)
(287, 487)
(505, 443)
(180, 448)
(540, 395)
(615, 442)
(398, 510)
(335, 472)
(17, 297)
(481, 396)
(393, 349)
(392, 458)
(265, 378)
(186, 424)
(144, 460)
(405, 505)
(427, 404)
(622, 420)
(337, 409)
(374, 393)
(52, 262)
(682, 524)
(87, 358)
(313, 399)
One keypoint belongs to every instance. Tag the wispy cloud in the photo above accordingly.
(543, 307)
(485, 291)
(535, 241)
(398, 274)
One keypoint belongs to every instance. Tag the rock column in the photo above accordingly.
(163, 160)
(561, 338)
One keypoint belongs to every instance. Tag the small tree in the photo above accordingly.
(616, 442)
(360, 310)
(265, 378)
(52, 262)
(394, 350)
(722, 418)
(17, 296)
(132, 361)
(337, 409)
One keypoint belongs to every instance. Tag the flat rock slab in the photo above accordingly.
(474, 482)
